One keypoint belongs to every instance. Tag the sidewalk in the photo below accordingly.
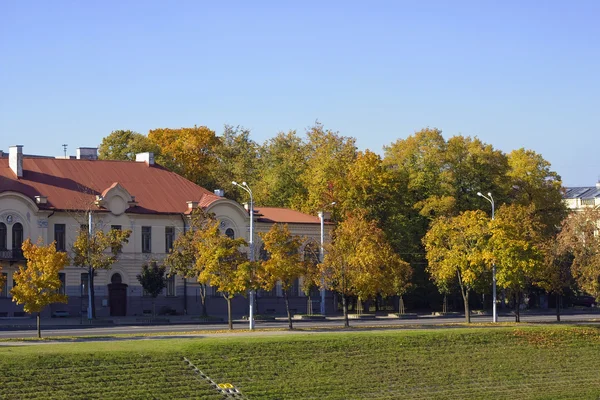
(16, 323)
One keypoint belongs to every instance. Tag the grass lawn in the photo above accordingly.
(525, 362)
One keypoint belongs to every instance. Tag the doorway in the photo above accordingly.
(117, 296)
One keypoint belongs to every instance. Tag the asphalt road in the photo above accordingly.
(82, 330)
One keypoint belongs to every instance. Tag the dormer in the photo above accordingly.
(116, 199)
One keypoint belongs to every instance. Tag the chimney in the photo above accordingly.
(219, 192)
(87, 153)
(148, 158)
(598, 185)
(192, 205)
(15, 159)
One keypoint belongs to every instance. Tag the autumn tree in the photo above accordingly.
(328, 157)
(355, 263)
(97, 251)
(579, 238)
(124, 145)
(37, 285)
(189, 152)
(555, 275)
(284, 265)
(181, 260)
(152, 279)
(311, 276)
(281, 162)
(516, 243)
(399, 275)
(457, 248)
(221, 263)
(533, 183)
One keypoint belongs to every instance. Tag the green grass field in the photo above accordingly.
(526, 362)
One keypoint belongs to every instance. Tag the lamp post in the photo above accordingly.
(322, 255)
(494, 313)
(245, 187)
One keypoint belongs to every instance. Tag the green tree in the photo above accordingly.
(281, 163)
(189, 152)
(124, 145)
(152, 279)
(237, 157)
(580, 239)
(368, 185)
(457, 248)
(356, 262)
(37, 285)
(516, 243)
(284, 264)
(328, 158)
(98, 251)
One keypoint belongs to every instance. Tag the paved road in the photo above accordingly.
(82, 330)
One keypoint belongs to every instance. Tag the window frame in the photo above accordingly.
(61, 238)
(146, 239)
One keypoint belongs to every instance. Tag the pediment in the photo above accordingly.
(116, 199)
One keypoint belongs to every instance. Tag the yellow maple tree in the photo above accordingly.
(285, 263)
(37, 284)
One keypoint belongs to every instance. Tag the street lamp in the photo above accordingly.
(245, 187)
(322, 254)
(494, 313)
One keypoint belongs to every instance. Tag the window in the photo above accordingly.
(84, 284)
(230, 233)
(171, 286)
(17, 237)
(588, 202)
(59, 237)
(2, 236)
(146, 239)
(116, 228)
(4, 292)
(169, 238)
(62, 277)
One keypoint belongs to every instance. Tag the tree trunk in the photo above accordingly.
(309, 309)
(401, 305)
(287, 308)
(517, 306)
(229, 320)
(203, 300)
(465, 294)
(445, 304)
(39, 326)
(345, 310)
(256, 312)
(558, 299)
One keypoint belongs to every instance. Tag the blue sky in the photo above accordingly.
(515, 74)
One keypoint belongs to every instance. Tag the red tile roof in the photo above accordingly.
(67, 182)
(284, 215)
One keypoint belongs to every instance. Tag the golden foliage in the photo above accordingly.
(37, 284)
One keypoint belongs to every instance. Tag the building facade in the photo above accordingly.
(47, 199)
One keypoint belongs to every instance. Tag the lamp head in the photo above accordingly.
(478, 193)
(333, 203)
(234, 183)
(244, 184)
(490, 194)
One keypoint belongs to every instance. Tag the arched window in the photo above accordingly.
(2, 236)
(116, 278)
(230, 233)
(17, 236)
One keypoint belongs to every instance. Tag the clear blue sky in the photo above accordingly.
(514, 73)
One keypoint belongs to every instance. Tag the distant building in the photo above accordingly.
(45, 197)
(577, 198)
